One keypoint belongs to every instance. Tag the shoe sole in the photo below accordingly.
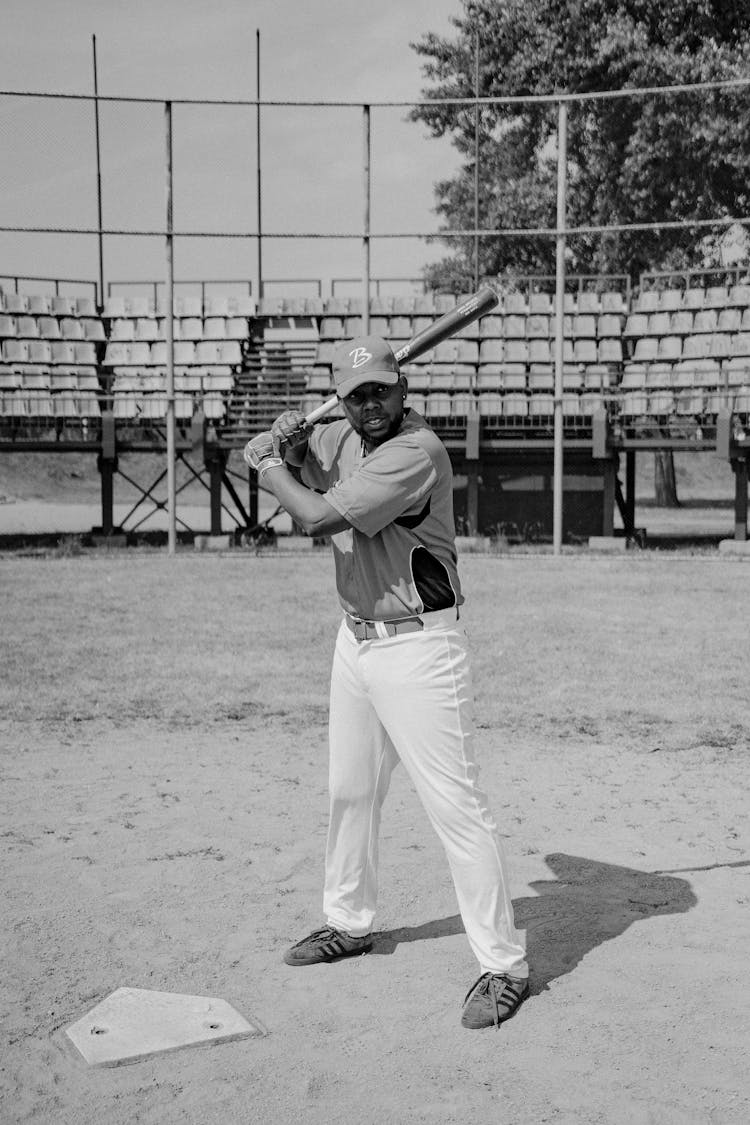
(301, 962)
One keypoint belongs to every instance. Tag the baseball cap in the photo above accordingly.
(366, 359)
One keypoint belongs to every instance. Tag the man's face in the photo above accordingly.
(375, 410)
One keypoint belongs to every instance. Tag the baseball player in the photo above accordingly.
(379, 483)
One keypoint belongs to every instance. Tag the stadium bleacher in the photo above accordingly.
(679, 353)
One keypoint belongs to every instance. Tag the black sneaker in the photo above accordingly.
(327, 945)
(493, 998)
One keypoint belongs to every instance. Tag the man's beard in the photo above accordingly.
(378, 439)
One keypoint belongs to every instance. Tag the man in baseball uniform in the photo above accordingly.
(379, 483)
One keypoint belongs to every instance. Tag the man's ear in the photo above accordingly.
(404, 385)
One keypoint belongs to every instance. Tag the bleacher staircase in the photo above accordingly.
(278, 354)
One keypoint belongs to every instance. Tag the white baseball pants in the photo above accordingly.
(409, 698)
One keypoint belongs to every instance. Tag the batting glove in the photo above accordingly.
(262, 452)
(291, 429)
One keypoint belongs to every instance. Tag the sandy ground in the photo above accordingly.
(141, 870)
(42, 517)
(70, 518)
(157, 841)
(60, 493)
(34, 517)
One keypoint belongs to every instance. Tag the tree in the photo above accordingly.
(665, 481)
(646, 159)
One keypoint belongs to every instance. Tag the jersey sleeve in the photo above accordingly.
(388, 484)
(315, 470)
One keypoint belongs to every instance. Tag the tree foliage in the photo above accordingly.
(650, 158)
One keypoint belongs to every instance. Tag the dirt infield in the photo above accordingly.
(163, 750)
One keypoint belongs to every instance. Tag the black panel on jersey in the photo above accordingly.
(415, 520)
(431, 580)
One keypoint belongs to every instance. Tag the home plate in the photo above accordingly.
(134, 1023)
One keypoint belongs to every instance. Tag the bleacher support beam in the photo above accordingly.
(739, 465)
(629, 520)
(609, 467)
(252, 499)
(106, 463)
(724, 435)
(599, 434)
(216, 461)
(733, 445)
(601, 451)
(472, 473)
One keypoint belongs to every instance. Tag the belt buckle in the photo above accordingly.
(358, 628)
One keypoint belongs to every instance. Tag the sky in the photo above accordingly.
(311, 157)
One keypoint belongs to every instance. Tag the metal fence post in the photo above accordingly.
(171, 493)
(476, 162)
(557, 470)
(100, 296)
(366, 234)
(259, 174)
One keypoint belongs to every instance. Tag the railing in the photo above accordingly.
(16, 278)
(689, 278)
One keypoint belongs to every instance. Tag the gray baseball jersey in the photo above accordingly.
(399, 557)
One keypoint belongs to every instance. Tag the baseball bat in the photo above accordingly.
(447, 325)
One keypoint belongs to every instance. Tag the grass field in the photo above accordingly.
(163, 753)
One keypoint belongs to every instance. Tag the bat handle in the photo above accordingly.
(321, 411)
(314, 416)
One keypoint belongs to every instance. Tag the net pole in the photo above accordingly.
(100, 301)
(171, 491)
(557, 469)
(476, 162)
(259, 276)
(367, 183)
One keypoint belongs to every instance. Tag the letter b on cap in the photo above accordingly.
(360, 356)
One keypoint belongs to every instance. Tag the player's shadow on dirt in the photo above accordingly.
(586, 904)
